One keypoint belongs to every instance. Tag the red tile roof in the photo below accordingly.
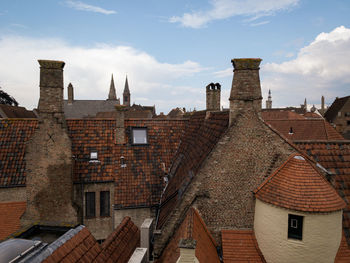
(297, 185)
(280, 115)
(335, 157)
(14, 134)
(343, 254)
(307, 129)
(83, 247)
(312, 115)
(192, 227)
(240, 246)
(201, 135)
(10, 214)
(138, 184)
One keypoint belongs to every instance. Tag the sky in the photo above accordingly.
(170, 50)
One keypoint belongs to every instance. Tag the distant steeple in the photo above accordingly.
(126, 93)
(112, 94)
(269, 101)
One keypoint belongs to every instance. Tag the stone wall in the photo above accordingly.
(13, 194)
(137, 215)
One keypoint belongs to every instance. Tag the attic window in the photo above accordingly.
(139, 136)
(122, 162)
(291, 130)
(295, 226)
(93, 155)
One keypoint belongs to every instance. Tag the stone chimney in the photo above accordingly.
(323, 109)
(246, 91)
(70, 94)
(120, 127)
(213, 92)
(269, 101)
(49, 184)
(187, 251)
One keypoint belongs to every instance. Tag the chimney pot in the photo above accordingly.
(213, 92)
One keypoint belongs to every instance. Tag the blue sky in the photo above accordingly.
(171, 50)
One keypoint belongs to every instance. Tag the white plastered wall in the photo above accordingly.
(321, 235)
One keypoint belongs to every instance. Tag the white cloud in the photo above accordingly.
(223, 9)
(90, 8)
(320, 68)
(260, 23)
(89, 70)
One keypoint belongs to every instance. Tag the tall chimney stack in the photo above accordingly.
(246, 90)
(70, 94)
(213, 96)
(49, 184)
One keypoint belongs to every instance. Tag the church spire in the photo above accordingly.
(112, 94)
(126, 93)
(269, 101)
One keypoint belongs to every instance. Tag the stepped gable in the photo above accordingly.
(333, 110)
(335, 157)
(79, 245)
(240, 246)
(201, 135)
(14, 134)
(10, 214)
(193, 228)
(307, 129)
(297, 185)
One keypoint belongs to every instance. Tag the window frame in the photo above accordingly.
(138, 129)
(105, 204)
(90, 204)
(295, 226)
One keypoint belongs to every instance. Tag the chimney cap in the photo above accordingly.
(246, 63)
(51, 64)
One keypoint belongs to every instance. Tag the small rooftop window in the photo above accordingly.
(139, 136)
(291, 130)
(93, 155)
(295, 226)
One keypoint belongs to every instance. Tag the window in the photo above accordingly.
(139, 135)
(90, 204)
(93, 156)
(104, 203)
(348, 123)
(295, 226)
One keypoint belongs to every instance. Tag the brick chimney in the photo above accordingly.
(213, 96)
(70, 94)
(246, 91)
(49, 184)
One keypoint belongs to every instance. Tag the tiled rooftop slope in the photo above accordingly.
(192, 227)
(201, 134)
(138, 184)
(297, 185)
(10, 214)
(240, 246)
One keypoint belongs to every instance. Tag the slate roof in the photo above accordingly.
(138, 184)
(14, 133)
(7, 111)
(79, 245)
(307, 129)
(240, 246)
(192, 227)
(335, 157)
(297, 185)
(201, 135)
(336, 106)
(87, 108)
(10, 214)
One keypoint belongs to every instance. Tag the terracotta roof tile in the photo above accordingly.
(201, 135)
(343, 254)
(335, 157)
(192, 227)
(10, 214)
(297, 185)
(307, 129)
(240, 246)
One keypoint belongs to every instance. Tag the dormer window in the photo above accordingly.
(93, 155)
(139, 136)
(295, 226)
